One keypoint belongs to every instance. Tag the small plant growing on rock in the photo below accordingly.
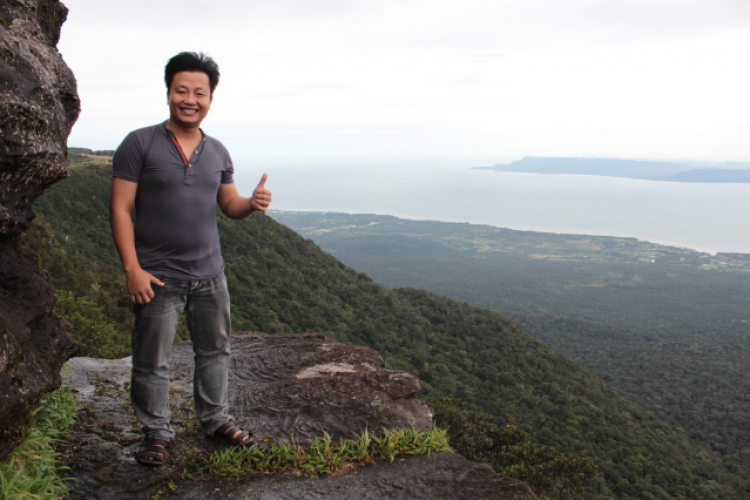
(30, 470)
(323, 455)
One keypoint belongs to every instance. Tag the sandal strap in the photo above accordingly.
(233, 433)
(153, 451)
(155, 442)
(240, 438)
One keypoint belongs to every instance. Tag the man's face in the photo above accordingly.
(189, 98)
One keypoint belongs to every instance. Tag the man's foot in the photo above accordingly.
(233, 435)
(153, 452)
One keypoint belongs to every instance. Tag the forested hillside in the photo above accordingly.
(668, 327)
(281, 282)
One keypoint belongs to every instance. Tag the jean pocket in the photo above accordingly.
(164, 279)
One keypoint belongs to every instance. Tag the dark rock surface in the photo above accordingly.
(38, 106)
(282, 386)
(437, 476)
(301, 385)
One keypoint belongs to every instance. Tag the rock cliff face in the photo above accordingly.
(38, 106)
(283, 387)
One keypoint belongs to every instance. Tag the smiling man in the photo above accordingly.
(173, 175)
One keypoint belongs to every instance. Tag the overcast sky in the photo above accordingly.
(468, 82)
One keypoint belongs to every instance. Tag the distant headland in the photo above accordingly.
(634, 169)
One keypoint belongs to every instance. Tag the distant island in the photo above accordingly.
(634, 169)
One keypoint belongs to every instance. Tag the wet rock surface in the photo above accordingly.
(38, 106)
(281, 387)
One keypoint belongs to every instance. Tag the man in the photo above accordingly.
(174, 175)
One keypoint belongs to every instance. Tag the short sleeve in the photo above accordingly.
(127, 161)
(227, 175)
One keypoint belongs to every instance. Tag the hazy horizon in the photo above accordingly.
(393, 89)
(702, 217)
(482, 81)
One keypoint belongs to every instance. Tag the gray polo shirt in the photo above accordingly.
(175, 206)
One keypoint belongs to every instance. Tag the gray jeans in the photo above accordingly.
(206, 306)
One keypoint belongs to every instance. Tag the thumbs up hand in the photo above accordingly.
(261, 196)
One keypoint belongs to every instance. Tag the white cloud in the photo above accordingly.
(480, 80)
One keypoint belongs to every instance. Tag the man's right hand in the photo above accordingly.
(139, 286)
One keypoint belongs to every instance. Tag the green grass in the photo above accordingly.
(323, 455)
(30, 471)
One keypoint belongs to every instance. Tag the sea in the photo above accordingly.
(710, 218)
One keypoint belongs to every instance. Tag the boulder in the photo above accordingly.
(283, 387)
(38, 106)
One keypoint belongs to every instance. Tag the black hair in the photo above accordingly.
(192, 61)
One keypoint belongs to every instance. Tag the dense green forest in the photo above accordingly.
(668, 327)
(282, 282)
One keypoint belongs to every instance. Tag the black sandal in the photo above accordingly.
(153, 452)
(233, 435)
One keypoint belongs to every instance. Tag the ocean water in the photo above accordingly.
(707, 217)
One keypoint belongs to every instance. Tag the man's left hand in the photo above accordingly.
(261, 196)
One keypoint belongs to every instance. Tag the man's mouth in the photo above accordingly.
(189, 111)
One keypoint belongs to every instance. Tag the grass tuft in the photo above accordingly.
(30, 471)
(323, 455)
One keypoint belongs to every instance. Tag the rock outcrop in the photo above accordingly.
(439, 476)
(283, 387)
(38, 106)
